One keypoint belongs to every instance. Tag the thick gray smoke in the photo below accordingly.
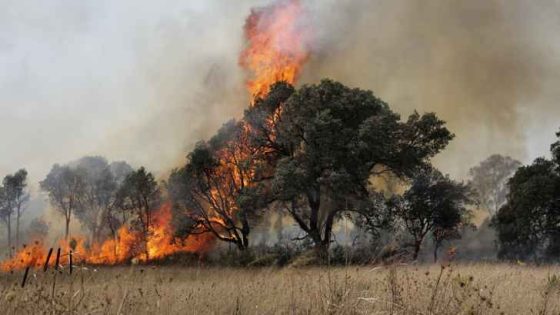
(488, 67)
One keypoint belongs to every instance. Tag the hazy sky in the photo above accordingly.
(118, 78)
(143, 80)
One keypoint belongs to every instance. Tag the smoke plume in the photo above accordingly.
(487, 67)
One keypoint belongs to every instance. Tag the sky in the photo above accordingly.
(143, 81)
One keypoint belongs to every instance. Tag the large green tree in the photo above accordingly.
(326, 141)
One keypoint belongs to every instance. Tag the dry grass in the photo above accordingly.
(461, 289)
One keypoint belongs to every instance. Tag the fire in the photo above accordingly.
(277, 45)
(127, 246)
(277, 48)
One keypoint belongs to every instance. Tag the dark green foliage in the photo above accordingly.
(433, 204)
(328, 140)
(528, 225)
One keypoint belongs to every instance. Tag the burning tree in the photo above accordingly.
(208, 188)
(140, 195)
(278, 44)
(310, 151)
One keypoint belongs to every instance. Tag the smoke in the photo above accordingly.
(141, 81)
(131, 80)
(489, 68)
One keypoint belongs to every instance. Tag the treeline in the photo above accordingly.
(319, 155)
(103, 197)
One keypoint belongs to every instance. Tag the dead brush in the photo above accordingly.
(549, 292)
(398, 289)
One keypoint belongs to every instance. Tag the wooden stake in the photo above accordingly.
(46, 266)
(25, 276)
(57, 259)
(70, 260)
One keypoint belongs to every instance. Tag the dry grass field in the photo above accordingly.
(455, 289)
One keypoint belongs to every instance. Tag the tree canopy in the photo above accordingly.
(433, 204)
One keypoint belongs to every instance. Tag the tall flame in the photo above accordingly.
(277, 45)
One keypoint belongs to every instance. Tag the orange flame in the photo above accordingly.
(277, 45)
(127, 246)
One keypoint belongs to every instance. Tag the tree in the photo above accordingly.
(433, 204)
(140, 194)
(489, 179)
(326, 141)
(6, 212)
(212, 190)
(64, 186)
(97, 199)
(528, 224)
(14, 195)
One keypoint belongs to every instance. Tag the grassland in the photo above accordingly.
(423, 289)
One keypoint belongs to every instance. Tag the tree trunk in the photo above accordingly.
(314, 200)
(329, 222)
(322, 251)
(67, 228)
(245, 229)
(147, 234)
(417, 245)
(93, 236)
(436, 248)
(18, 215)
(9, 224)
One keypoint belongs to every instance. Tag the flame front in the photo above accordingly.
(277, 45)
(128, 245)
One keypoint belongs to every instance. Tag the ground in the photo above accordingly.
(403, 289)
